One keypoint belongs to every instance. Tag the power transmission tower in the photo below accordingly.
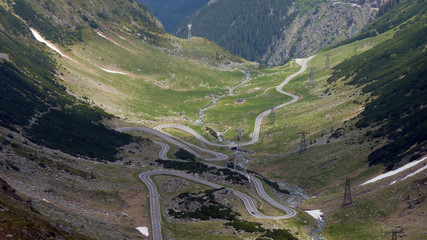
(347, 194)
(240, 161)
(311, 76)
(239, 153)
(272, 116)
(303, 145)
(189, 30)
(327, 61)
(394, 235)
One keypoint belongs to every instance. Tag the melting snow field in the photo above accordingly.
(143, 230)
(394, 172)
(315, 214)
(51, 46)
(110, 71)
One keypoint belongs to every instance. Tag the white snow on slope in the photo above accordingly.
(111, 71)
(143, 230)
(102, 35)
(317, 214)
(394, 172)
(51, 46)
(410, 175)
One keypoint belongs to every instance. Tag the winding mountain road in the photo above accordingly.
(215, 156)
(247, 200)
(258, 120)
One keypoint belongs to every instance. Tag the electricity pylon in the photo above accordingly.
(327, 61)
(347, 194)
(303, 145)
(189, 30)
(394, 235)
(240, 160)
(239, 152)
(272, 116)
(311, 76)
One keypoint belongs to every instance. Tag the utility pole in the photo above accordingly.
(394, 235)
(327, 61)
(347, 194)
(239, 152)
(397, 229)
(189, 30)
(303, 145)
(311, 76)
(272, 116)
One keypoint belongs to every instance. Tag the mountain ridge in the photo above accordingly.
(281, 29)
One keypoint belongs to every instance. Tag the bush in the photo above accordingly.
(277, 234)
(93, 24)
(210, 209)
(184, 155)
(246, 226)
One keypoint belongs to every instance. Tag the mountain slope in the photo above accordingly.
(272, 32)
(33, 103)
(171, 12)
(64, 22)
(394, 72)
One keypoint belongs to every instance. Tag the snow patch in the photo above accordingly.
(394, 172)
(410, 175)
(42, 40)
(317, 214)
(45, 200)
(111, 71)
(143, 230)
(100, 34)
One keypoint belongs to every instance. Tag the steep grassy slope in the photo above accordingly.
(34, 104)
(121, 59)
(395, 76)
(63, 22)
(155, 82)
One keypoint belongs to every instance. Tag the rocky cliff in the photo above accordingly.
(275, 31)
(326, 24)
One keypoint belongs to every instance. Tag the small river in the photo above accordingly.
(216, 100)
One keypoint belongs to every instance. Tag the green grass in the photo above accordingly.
(160, 84)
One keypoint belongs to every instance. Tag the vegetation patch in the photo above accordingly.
(208, 208)
(393, 73)
(277, 234)
(77, 131)
(184, 155)
(241, 225)
(196, 167)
